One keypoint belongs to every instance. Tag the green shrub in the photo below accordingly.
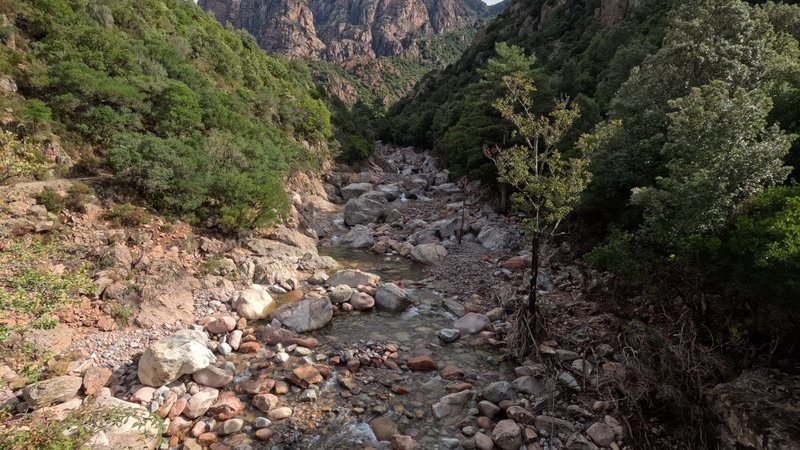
(127, 215)
(51, 199)
(78, 195)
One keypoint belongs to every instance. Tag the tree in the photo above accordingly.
(720, 152)
(548, 183)
(18, 158)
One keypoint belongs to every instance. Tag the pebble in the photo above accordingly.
(231, 426)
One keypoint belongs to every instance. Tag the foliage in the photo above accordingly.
(51, 200)
(18, 158)
(153, 85)
(127, 215)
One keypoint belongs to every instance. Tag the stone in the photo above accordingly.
(265, 402)
(451, 406)
(392, 298)
(52, 391)
(309, 396)
(553, 424)
(235, 339)
(253, 303)
(264, 434)
(483, 442)
(362, 301)
(452, 373)
(421, 363)
(355, 190)
(448, 335)
(280, 413)
(305, 315)
(226, 407)
(318, 278)
(568, 381)
(515, 263)
(261, 422)
(353, 278)
(250, 347)
(178, 426)
(430, 254)
(507, 435)
(496, 314)
(143, 394)
(214, 377)
(582, 368)
(471, 323)
(362, 211)
(520, 415)
(341, 293)
(360, 236)
(529, 385)
(402, 442)
(578, 441)
(221, 325)
(498, 391)
(183, 353)
(305, 375)
(384, 428)
(601, 434)
(498, 239)
(200, 402)
(489, 409)
(96, 378)
(231, 426)
(206, 439)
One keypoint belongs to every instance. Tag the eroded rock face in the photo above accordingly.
(343, 29)
(755, 413)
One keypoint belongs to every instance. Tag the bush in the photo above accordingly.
(51, 200)
(78, 195)
(128, 215)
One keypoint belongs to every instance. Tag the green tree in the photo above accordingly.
(721, 152)
(548, 184)
(38, 113)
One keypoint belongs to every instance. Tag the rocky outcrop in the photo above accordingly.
(344, 29)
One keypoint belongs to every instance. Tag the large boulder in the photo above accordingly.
(305, 315)
(353, 278)
(472, 323)
(355, 190)
(359, 237)
(392, 298)
(448, 227)
(507, 435)
(362, 210)
(253, 303)
(498, 239)
(430, 254)
(54, 390)
(183, 353)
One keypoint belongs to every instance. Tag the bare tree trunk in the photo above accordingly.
(503, 197)
(536, 241)
(463, 212)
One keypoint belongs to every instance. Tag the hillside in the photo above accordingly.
(192, 117)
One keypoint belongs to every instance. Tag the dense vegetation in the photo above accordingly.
(694, 202)
(194, 117)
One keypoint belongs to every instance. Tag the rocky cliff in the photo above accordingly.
(346, 29)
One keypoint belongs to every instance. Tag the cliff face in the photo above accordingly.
(345, 29)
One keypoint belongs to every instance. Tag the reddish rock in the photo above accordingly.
(401, 442)
(421, 363)
(457, 387)
(515, 262)
(177, 408)
(253, 387)
(294, 296)
(483, 422)
(452, 373)
(353, 365)
(390, 365)
(334, 360)
(264, 434)
(281, 388)
(95, 379)
(308, 342)
(401, 389)
(323, 370)
(226, 407)
(206, 439)
(250, 347)
(305, 375)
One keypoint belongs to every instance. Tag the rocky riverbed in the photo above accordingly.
(365, 323)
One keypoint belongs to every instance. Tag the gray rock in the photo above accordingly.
(554, 424)
(231, 426)
(568, 381)
(362, 211)
(449, 335)
(498, 391)
(430, 254)
(471, 323)
(529, 385)
(392, 298)
(355, 190)
(578, 441)
(54, 390)
(360, 236)
(213, 377)
(183, 353)
(353, 278)
(601, 434)
(362, 301)
(499, 239)
(341, 293)
(507, 435)
(452, 406)
(305, 315)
